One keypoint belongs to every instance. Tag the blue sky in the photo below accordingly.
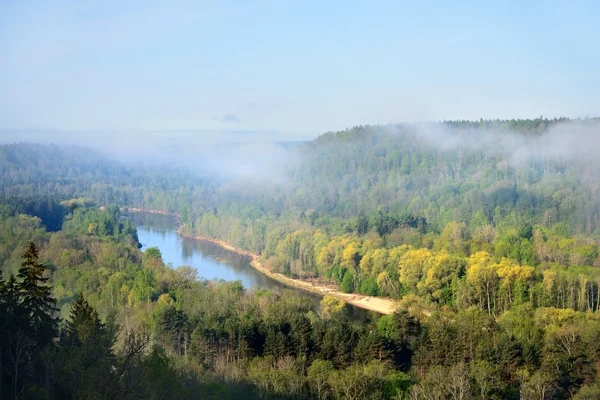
(293, 68)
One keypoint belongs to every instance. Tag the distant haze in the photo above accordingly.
(567, 141)
(247, 157)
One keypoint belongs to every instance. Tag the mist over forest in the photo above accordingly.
(262, 155)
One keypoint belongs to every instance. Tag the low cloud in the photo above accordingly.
(569, 141)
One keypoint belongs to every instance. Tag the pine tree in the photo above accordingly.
(16, 344)
(85, 356)
(3, 305)
(173, 330)
(362, 224)
(36, 297)
(84, 324)
(10, 309)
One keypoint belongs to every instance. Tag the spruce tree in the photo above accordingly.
(84, 324)
(36, 297)
(85, 358)
(10, 309)
(16, 343)
(362, 224)
(3, 305)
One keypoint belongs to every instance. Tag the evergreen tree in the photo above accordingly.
(84, 324)
(36, 297)
(16, 344)
(85, 356)
(10, 309)
(347, 285)
(362, 224)
(173, 330)
(4, 317)
(3, 305)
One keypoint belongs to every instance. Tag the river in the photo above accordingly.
(211, 261)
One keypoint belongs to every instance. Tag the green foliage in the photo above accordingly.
(347, 285)
(153, 252)
(46, 208)
(281, 346)
(362, 224)
(369, 287)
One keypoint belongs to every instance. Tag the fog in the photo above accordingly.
(225, 154)
(254, 157)
(568, 141)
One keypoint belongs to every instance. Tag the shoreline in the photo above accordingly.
(382, 305)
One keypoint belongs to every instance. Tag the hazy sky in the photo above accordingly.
(296, 68)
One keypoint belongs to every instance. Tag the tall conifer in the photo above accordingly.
(36, 297)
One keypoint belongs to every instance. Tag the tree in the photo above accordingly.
(453, 237)
(85, 356)
(144, 286)
(433, 386)
(512, 277)
(318, 373)
(349, 383)
(84, 325)
(483, 276)
(153, 259)
(537, 386)
(459, 384)
(362, 224)
(484, 375)
(153, 252)
(15, 339)
(444, 269)
(347, 285)
(331, 306)
(134, 344)
(413, 265)
(588, 392)
(351, 258)
(36, 297)
(173, 330)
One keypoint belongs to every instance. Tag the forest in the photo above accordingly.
(491, 250)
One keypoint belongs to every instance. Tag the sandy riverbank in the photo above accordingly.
(143, 210)
(381, 305)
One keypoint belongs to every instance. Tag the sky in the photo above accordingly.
(290, 69)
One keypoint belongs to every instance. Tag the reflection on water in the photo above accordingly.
(211, 261)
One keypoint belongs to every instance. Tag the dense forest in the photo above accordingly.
(487, 233)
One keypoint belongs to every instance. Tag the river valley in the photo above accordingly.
(212, 261)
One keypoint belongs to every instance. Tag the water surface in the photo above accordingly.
(211, 261)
